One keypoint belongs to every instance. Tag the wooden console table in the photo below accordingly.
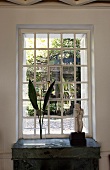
(55, 154)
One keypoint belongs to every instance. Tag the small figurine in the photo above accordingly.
(78, 114)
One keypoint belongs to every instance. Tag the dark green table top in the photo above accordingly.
(50, 143)
(53, 148)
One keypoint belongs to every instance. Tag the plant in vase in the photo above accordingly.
(33, 98)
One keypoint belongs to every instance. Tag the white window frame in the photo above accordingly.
(21, 31)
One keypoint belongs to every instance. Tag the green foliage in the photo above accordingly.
(32, 95)
(46, 98)
(30, 111)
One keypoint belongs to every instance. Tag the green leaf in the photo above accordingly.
(47, 95)
(32, 95)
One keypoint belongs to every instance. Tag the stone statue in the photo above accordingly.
(78, 114)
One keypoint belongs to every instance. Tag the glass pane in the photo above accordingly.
(41, 90)
(54, 41)
(68, 91)
(81, 74)
(85, 125)
(45, 124)
(78, 73)
(81, 57)
(28, 131)
(81, 40)
(43, 128)
(55, 108)
(28, 109)
(55, 73)
(41, 41)
(84, 106)
(25, 91)
(41, 57)
(78, 90)
(68, 57)
(68, 74)
(54, 57)
(28, 57)
(41, 74)
(68, 40)
(68, 107)
(57, 88)
(38, 133)
(84, 74)
(68, 125)
(28, 40)
(56, 92)
(28, 123)
(28, 72)
(55, 126)
(82, 90)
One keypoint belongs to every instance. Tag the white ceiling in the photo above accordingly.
(66, 2)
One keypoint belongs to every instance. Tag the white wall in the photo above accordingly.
(9, 19)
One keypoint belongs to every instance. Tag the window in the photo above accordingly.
(63, 56)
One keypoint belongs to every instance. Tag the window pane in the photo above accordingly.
(41, 57)
(25, 91)
(78, 73)
(56, 93)
(81, 74)
(41, 41)
(41, 74)
(28, 40)
(55, 126)
(41, 90)
(68, 125)
(68, 57)
(84, 105)
(68, 91)
(28, 57)
(85, 125)
(54, 41)
(54, 57)
(55, 73)
(28, 72)
(81, 57)
(68, 107)
(28, 126)
(81, 40)
(82, 90)
(68, 74)
(28, 131)
(78, 90)
(68, 40)
(28, 109)
(55, 108)
(45, 124)
(84, 74)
